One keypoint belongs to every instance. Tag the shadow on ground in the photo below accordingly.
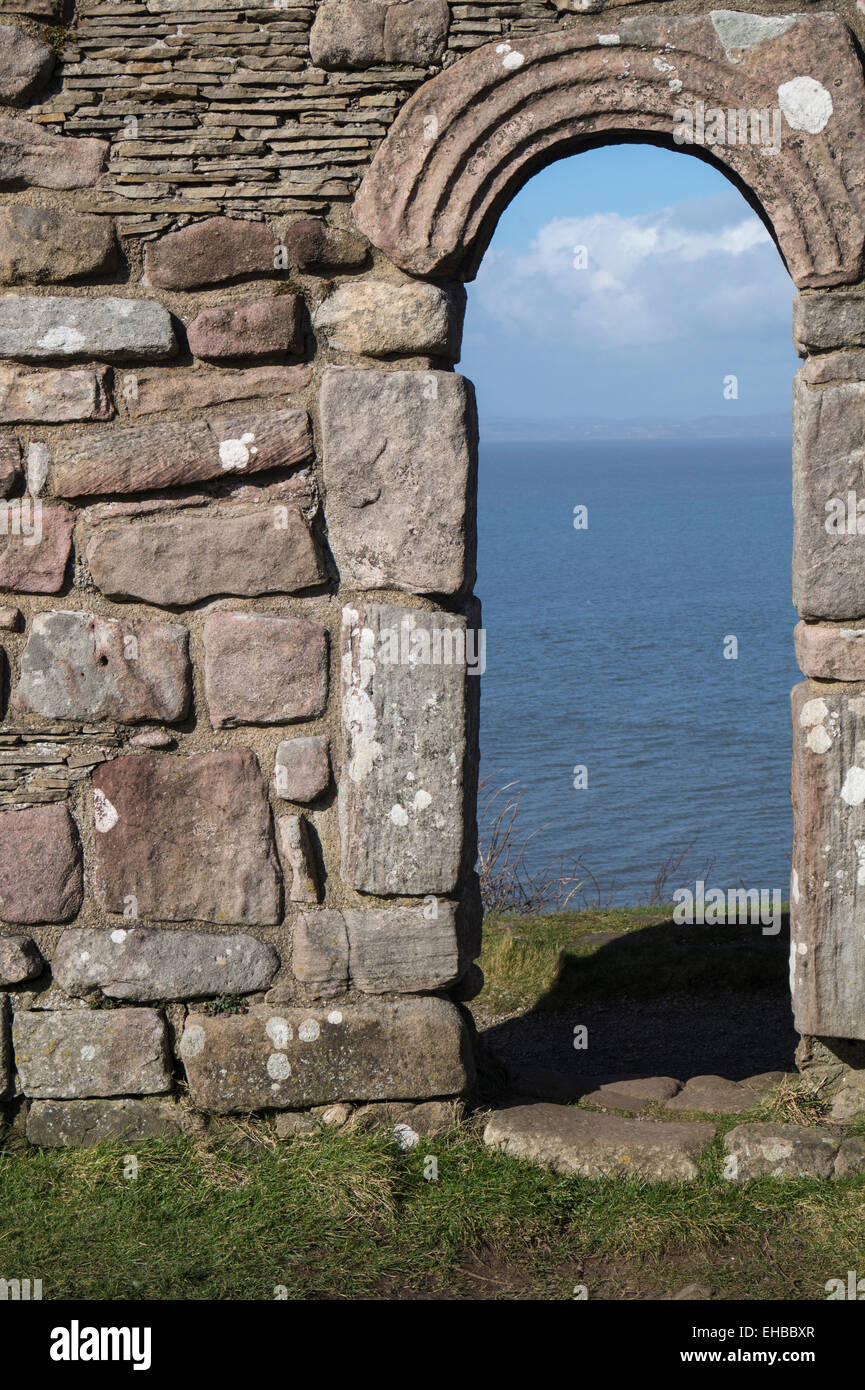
(658, 1000)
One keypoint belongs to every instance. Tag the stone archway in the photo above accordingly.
(468, 140)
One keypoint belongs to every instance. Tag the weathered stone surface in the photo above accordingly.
(302, 768)
(77, 1124)
(10, 464)
(827, 892)
(375, 318)
(850, 1158)
(779, 1151)
(633, 1095)
(141, 458)
(360, 33)
(400, 467)
(186, 838)
(79, 666)
(288, 1058)
(11, 620)
(54, 397)
(348, 34)
(34, 561)
(209, 253)
(260, 669)
(415, 31)
(44, 9)
(33, 157)
(312, 244)
(43, 246)
(320, 952)
(402, 949)
(828, 456)
(144, 392)
(260, 328)
(828, 367)
(25, 65)
(830, 653)
(404, 731)
(825, 321)
(848, 1102)
(570, 1140)
(40, 865)
(143, 963)
(296, 1124)
(430, 1118)
(76, 1053)
(470, 135)
(7, 1072)
(297, 854)
(201, 555)
(19, 959)
(713, 1095)
(115, 329)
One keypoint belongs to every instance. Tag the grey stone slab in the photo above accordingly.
(145, 963)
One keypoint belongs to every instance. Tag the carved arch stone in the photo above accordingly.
(469, 138)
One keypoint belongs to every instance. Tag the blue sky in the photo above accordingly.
(682, 287)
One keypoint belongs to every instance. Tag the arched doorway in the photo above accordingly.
(720, 86)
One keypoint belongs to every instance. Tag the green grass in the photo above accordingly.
(345, 1215)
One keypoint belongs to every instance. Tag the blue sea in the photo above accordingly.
(605, 650)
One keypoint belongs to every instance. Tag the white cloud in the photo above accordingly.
(698, 269)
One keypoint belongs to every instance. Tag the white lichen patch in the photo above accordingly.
(794, 886)
(405, 1136)
(358, 710)
(118, 936)
(399, 815)
(853, 790)
(813, 712)
(335, 1016)
(806, 104)
(62, 338)
(236, 453)
(308, 1030)
(511, 57)
(280, 1031)
(609, 40)
(87, 1053)
(819, 740)
(278, 1066)
(104, 814)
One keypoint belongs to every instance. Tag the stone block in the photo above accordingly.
(54, 397)
(26, 63)
(114, 329)
(186, 838)
(415, 32)
(76, 1053)
(575, 1141)
(42, 246)
(403, 950)
(320, 952)
(145, 963)
(260, 669)
(202, 554)
(830, 653)
(377, 318)
(286, 1059)
(404, 743)
(10, 464)
(143, 392)
(79, 666)
(34, 560)
(779, 1151)
(312, 245)
(210, 252)
(400, 464)
(302, 768)
(40, 865)
(827, 892)
(829, 500)
(33, 157)
(20, 959)
(7, 1065)
(825, 321)
(260, 328)
(143, 458)
(80, 1124)
(298, 856)
(348, 34)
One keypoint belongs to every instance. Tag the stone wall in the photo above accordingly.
(239, 754)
